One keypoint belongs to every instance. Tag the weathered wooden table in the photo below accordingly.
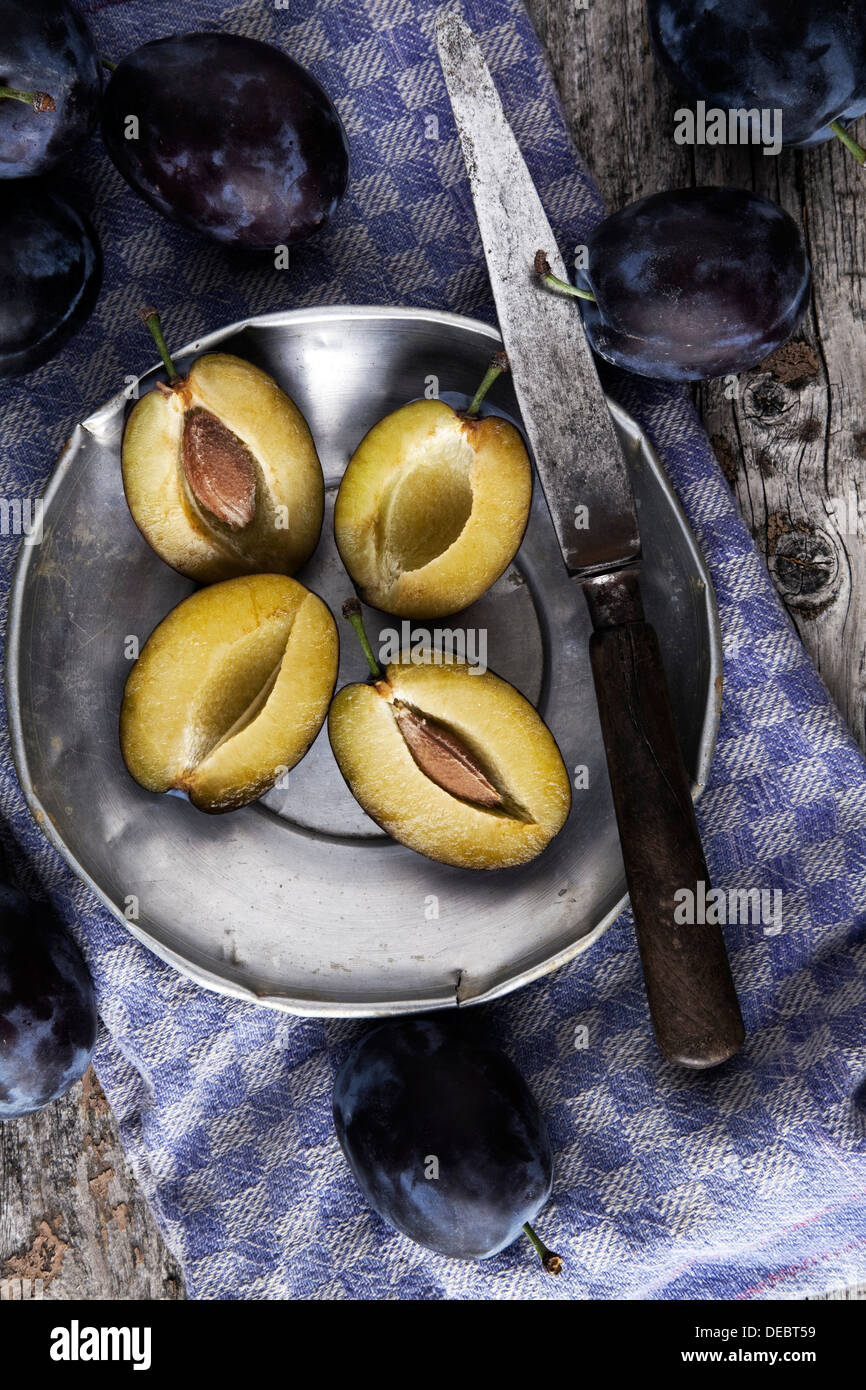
(792, 443)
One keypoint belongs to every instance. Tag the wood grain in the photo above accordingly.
(73, 1221)
(792, 440)
(793, 443)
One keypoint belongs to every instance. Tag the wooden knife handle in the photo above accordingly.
(691, 994)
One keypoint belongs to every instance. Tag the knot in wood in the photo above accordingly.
(767, 399)
(805, 566)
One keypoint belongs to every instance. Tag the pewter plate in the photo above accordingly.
(299, 901)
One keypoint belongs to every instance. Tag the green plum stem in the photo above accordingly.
(550, 1263)
(352, 611)
(553, 282)
(151, 318)
(848, 141)
(498, 365)
(40, 101)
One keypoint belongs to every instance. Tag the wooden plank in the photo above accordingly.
(73, 1221)
(792, 440)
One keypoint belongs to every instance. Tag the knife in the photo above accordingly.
(691, 994)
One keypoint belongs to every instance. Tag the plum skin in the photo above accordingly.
(47, 1008)
(45, 46)
(50, 275)
(236, 140)
(807, 57)
(694, 283)
(422, 1087)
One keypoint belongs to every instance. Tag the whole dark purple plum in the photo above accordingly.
(47, 1007)
(806, 58)
(229, 137)
(694, 283)
(45, 48)
(50, 274)
(443, 1136)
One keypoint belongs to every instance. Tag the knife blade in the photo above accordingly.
(584, 476)
(576, 451)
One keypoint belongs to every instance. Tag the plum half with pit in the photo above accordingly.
(220, 471)
(50, 275)
(228, 136)
(47, 1007)
(444, 1137)
(50, 85)
(450, 760)
(692, 283)
(806, 58)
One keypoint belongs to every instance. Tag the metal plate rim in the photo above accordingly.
(208, 978)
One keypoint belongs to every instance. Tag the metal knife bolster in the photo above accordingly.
(613, 598)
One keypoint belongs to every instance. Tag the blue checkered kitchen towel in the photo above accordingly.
(749, 1181)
